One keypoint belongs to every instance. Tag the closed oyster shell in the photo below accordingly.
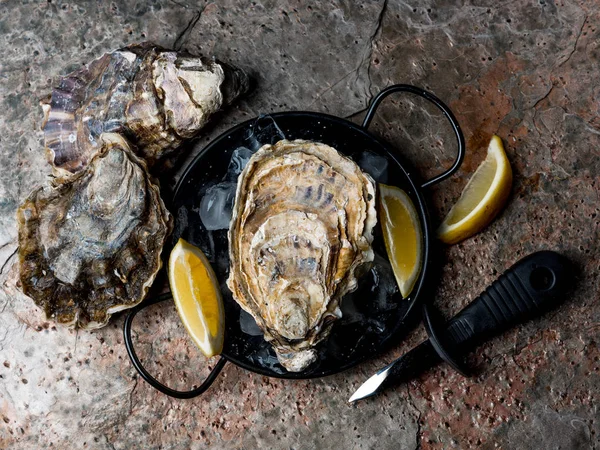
(300, 235)
(156, 98)
(90, 244)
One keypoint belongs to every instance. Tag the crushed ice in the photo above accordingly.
(248, 324)
(361, 306)
(375, 165)
(384, 286)
(263, 131)
(239, 159)
(216, 206)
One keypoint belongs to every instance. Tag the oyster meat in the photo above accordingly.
(90, 244)
(299, 238)
(154, 97)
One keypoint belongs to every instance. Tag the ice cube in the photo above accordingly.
(239, 159)
(216, 206)
(384, 286)
(375, 165)
(264, 131)
(248, 324)
(350, 311)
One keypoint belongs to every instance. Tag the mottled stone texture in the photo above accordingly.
(527, 71)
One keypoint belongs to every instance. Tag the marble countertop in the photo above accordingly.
(526, 71)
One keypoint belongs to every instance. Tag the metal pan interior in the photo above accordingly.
(371, 318)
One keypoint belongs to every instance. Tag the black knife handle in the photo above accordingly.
(530, 287)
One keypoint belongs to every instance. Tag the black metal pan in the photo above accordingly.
(368, 326)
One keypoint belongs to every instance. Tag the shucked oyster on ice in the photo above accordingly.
(156, 98)
(300, 235)
(90, 244)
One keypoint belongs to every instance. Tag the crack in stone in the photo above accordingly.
(533, 121)
(8, 394)
(364, 60)
(131, 403)
(3, 338)
(182, 37)
(544, 97)
(412, 403)
(180, 4)
(589, 127)
(8, 259)
(517, 350)
(356, 113)
(372, 47)
(109, 443)
(587, 124)
(576, 42)
(169, 409)
(75, 345)
(332, 86)
(498, 359)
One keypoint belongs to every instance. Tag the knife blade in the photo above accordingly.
(530, 287)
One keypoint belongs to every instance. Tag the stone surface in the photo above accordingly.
(526, 71)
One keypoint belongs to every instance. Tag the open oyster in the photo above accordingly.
(155, 97)
(90, 244)
(300, 235)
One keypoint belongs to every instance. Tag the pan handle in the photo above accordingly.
(142, 370)
(460, 154)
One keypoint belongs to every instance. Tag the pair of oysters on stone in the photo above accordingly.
(90, 242)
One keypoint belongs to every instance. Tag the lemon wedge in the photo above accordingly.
(402, 236)
(482, 198)
(197, 297)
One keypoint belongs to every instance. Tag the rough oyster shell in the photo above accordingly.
(300, 235)
(90, 244)
(154, 97)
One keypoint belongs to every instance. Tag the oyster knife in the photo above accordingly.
(530, 287)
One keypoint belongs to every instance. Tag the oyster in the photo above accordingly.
(299, 237)
(90, 244)
(155, 97)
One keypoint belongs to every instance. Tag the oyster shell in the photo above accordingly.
(155, 97)
(299, 237)
(90, 244)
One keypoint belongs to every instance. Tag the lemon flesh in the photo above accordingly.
(482, 199)
(402, 236)
(197, 297)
